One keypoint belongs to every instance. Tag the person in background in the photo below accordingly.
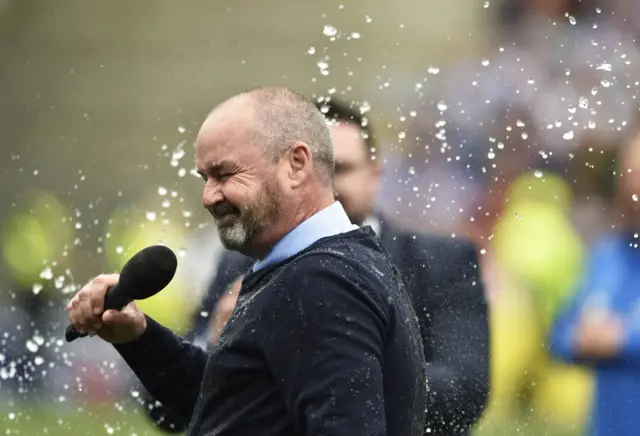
(36, 246)
(440, 273)
(599, 327)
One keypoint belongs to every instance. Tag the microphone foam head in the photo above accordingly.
(149, 271)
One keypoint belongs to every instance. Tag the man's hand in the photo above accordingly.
(223, 310)
(87, 315)
(599, 335)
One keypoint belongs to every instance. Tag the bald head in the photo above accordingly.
(266, 158)
(276, 118)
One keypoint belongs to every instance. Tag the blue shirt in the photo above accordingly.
(328, 222)
(611, 282)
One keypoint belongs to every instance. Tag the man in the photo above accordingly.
(441, 275)
(599, 327)
(323, 340)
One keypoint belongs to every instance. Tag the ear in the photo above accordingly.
(299, 163)
(376, 168)
(376, 175)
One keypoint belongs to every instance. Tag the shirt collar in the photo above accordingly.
(374, 223)
(330, 221)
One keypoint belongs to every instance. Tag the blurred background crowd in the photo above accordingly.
(499, 120)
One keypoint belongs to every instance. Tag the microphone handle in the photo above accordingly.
(115, 298)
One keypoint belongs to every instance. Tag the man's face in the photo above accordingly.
(241, 190)
(630, 182)
(357, 177)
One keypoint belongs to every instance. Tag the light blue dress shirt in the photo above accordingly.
(330, 221)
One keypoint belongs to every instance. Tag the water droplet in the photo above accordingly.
(355, 35)
(329, 30)
(572, 109)
(311, 50)
(634, 197)
(483, 252)
(46, 274)
(37, 287)
(604, 66)
(412, 171)
(162, 191)
(59, 282)
(485, 62)
(571, 18)
(524, 135)
(442, 106)
(32, 346)
(324, 67)
(12, 416)
(583, 102)
(531, 81)
(402, 135)
(413, 114)
(486, 5)
(151, 216)
(605, 83)
(537, 173)
(591, 124)
(119, 249)
(365, 107)
(181, 129)
(433, 70)
(594, 90)
(367, 19)
(568, 135)
(182, 172)
(177, 155)
(491, 155)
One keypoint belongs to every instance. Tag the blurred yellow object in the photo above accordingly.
(539, 258)
(35, 236)
(563, 395)
(542, 187)
(129, 231)
(515, 339)
(535, 239)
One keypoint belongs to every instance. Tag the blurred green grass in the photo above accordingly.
(36, 420)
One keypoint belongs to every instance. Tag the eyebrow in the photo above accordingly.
(212, 168)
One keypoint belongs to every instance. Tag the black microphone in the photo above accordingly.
(143, 276)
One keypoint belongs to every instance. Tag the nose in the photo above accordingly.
(212, 193)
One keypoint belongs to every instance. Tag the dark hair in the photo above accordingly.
(338, 111)
(510, 13)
